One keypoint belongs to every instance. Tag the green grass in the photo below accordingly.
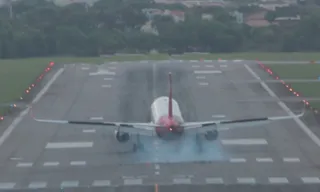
(308, 71)
(17, 74)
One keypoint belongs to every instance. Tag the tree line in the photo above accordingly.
(42, 28)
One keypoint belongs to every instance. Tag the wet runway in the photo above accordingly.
(38, 155)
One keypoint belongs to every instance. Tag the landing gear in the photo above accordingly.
(138, 145)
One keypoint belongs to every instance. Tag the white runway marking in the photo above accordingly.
(108, 79)
(237, 160)
(278, 180)
(17, 120)
(69, 184)
(85, 68)
(201, 77)
(264, 160)
(223, 65)
(195, 66)
(37, 185)
(207, 72)
(214, 180)
(246, 180)
(101, 183)
(207, 61)
(51, 164)
(105, 86)
(244, 142)
(309, 180)
(291, 160)
(222, 60)
(96, 118)
(114, 62)
(237, 60)
(102, 73)
(285, 108)
(218, 116)
(89, 131)
(112, 68)
(7, 185)
(78, 163)
(194, 61)
(24, 165)
(210, 66)
(133, 182)
(65, 145)
(203, 83)
(182, 180)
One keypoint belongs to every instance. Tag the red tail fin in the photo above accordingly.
(170, 95)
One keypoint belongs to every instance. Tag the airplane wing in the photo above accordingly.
(147, 129)
(203, 127)
(132, 128)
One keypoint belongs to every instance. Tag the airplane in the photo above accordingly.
(167, 122)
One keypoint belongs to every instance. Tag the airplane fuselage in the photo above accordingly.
(168, 126)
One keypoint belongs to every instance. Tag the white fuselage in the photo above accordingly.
(160, 109)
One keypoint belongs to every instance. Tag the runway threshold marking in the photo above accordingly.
(132, 182)
(24, 165)
(246, 180)
(17, 120)
(218, 116)
(64, 145)
(89, 131)
(96, 118)
(214, 180)
(203, 83)
(244, 142)
(278, 180)
(303, 126)
(78, 163)
(201, 77)
(291, 159)
(238, 160)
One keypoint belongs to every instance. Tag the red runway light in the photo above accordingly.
(51, 63)
(27, 91)
(1, 118)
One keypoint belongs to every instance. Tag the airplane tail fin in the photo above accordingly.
(170, 96)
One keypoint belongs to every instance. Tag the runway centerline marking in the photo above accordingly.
(17, 120)
(96, 118)
(244, 142)
(89, 131)
(210, 66)
(203, 83)
(218, 116)
(208, 72)
(64, 145)
(105, 86)
(201, 77)
(303, 126)
(182, 180)
(108, 79)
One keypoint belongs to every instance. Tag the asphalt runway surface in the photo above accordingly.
(38, 155)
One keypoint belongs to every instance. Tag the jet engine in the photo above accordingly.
(122, 137)
(211, 135)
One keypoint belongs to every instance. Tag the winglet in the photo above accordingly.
(170, 95)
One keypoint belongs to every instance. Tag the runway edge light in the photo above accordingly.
(271, 73)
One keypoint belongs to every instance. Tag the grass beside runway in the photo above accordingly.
(17, 74)
(306, 71)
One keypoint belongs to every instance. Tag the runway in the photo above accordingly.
(38, 155)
